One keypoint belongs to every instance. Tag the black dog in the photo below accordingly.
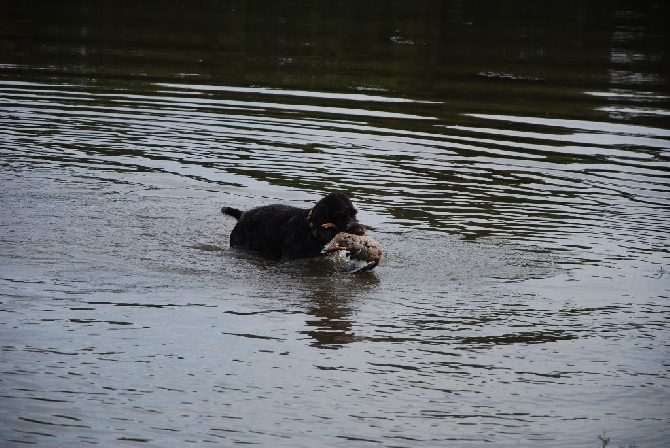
(287, 232)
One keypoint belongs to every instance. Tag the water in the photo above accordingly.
(511, 159)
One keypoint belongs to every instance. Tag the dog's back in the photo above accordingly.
(267, 228)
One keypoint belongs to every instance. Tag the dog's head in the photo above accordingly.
(333, 214)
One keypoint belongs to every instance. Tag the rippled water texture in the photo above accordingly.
(512, 160)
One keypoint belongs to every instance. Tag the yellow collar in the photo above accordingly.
(312, 227)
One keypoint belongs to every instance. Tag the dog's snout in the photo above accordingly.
(356, 228)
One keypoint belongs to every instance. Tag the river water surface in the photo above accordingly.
(511, 158)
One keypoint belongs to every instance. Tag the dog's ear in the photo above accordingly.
(322, 221)
(322, 211)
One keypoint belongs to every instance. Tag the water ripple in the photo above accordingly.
(522, 178)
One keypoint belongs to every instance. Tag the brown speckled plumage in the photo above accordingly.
(363, 250)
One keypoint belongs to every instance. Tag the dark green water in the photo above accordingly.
(511, 157)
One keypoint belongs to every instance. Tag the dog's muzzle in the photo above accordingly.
(356, 228)
(353, 227)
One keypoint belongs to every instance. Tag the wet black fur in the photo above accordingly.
(283, 231)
